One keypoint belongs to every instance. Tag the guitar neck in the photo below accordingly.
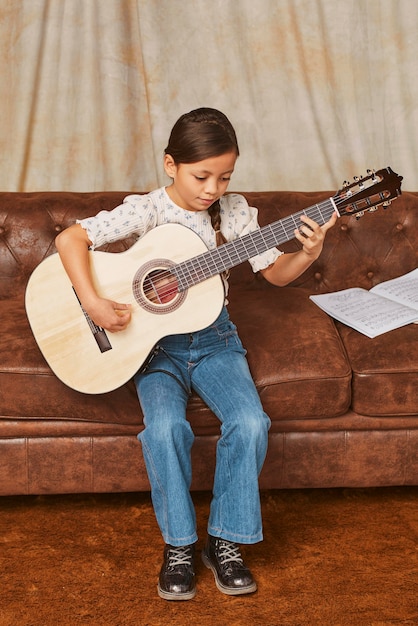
(228, 255)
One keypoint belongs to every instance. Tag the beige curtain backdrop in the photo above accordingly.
(318, 90)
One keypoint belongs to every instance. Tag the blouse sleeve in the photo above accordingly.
(238, 219)
(135, 216)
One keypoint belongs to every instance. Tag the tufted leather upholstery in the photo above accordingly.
(344, 408)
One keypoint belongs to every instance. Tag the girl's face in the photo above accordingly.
(197, 185)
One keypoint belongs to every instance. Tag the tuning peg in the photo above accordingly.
(373, 209)
(346, 183)
(386, 204)
(359, 215)
(371, 173)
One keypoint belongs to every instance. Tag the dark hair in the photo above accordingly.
(198, 135)
(201, 134)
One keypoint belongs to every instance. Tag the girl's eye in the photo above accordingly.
(223, 179)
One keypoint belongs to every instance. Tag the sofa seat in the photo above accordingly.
(316, 383)
(385, 371)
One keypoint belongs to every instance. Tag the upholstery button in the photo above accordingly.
(399, 226)
(370, 274)
(344, 227)
(1, 230)
(318, 276)
(57, 228)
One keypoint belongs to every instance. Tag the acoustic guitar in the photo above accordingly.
(172, 282)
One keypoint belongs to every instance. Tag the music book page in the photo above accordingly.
(389, 305)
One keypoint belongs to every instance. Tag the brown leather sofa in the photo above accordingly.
(344, 408)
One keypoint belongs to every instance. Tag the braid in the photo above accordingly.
(215, 217)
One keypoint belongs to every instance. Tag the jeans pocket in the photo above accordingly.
(228, 334)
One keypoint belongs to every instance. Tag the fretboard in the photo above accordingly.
(212, 262)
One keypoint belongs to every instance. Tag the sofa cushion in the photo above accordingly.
(385, 371)
(294, 351)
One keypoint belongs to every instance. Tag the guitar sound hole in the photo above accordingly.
(155, 287)
(160, 287)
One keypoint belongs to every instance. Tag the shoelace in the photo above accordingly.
(229, 552)
(180, 556)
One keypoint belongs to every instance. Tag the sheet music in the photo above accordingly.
(373, 313)
(403, 289)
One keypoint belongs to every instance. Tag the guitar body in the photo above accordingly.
(63, 332)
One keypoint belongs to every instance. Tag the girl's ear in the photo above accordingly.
(169, 165)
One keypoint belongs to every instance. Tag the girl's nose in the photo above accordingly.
(211, 187)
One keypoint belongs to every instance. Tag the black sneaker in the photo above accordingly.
(224, 558)
(177, 579)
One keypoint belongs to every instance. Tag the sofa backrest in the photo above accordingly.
(361, 253)
(29, 223)
(357, 253)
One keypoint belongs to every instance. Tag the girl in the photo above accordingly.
(199, 159)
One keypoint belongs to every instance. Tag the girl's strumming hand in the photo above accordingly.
(110, 315)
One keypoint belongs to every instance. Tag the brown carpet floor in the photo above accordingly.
(329, 558)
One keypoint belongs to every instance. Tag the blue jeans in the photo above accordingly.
(212, 363)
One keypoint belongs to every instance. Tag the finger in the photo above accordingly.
(300, 235)
(306, 232)
(309, 222)
(331, 222)
(118, 306)
(123, 313)
(121, 324)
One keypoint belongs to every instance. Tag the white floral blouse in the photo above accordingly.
(140, 213)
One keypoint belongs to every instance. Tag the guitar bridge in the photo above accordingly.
(101, 337)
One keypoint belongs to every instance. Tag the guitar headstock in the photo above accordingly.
(367, 194)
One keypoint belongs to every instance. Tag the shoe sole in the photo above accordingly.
(166, 595)
(229, 591)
